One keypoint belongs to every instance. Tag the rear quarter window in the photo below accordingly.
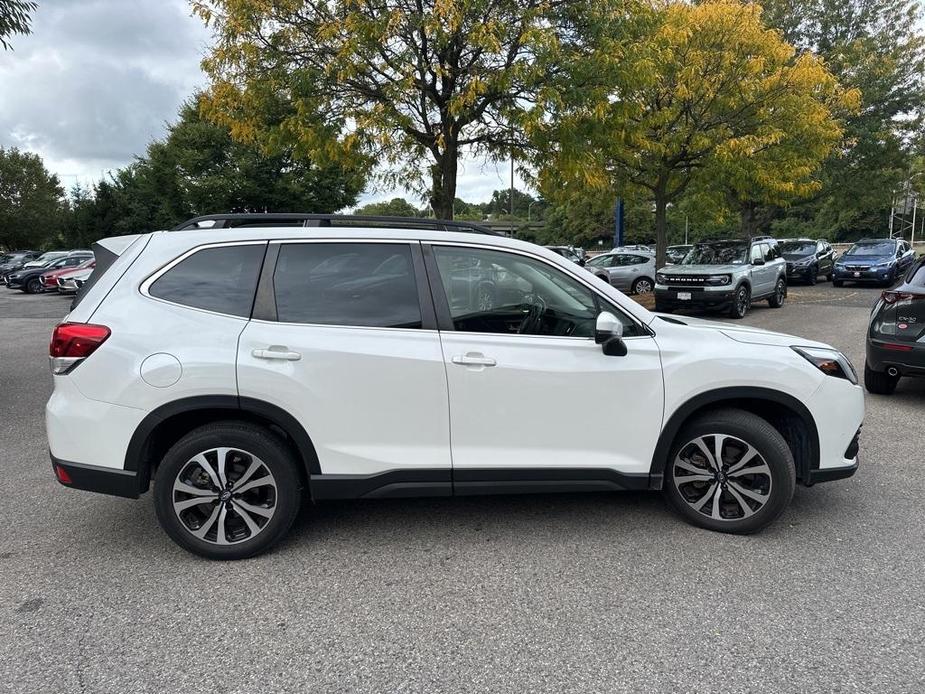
(221, 279)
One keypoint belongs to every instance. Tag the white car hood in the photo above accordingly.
(747, 334)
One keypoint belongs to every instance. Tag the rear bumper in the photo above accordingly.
(880, 358)
(125, 483)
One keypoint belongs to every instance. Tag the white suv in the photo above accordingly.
(241, 369)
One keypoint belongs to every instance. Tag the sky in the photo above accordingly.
(99, 79)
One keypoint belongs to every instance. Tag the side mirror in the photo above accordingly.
(608, 333)
(758, 261)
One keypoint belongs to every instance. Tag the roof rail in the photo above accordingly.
(299, 219)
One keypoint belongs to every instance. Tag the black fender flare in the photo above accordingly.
(730, 395)
(235, 406)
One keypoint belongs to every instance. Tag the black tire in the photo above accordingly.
(838, 283)
(258, 442)
(779, 295)
(829, 276)
(33, 286)
(643, 285)
(779, 480)
(741, 301)
(878, 382)
(813, 275)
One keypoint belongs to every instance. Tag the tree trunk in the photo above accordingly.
(748, 219)
(443, 183)
(661, 226)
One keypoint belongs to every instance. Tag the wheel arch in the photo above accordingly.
(783, 411)
(162, 427)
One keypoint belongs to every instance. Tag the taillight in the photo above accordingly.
(892, 297)
(71, 343)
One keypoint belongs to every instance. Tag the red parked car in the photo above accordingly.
(50, 279)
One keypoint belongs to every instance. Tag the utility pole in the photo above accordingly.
(686, 225)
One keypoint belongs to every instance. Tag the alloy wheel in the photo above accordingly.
(722, 477)
(642, 286)
(224, 496)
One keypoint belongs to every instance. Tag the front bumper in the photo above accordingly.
(908, 363)
(700, 298)
(880, 274)
(800, 272)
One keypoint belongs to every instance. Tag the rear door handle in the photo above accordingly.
(473, 359)
(276, 352)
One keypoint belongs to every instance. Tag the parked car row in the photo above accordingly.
(33, 273)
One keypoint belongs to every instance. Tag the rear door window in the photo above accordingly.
(354, 284)
(221, 279)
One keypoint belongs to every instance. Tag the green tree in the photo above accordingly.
(15, 18)
(396, 207)
(702, 88)
(397, 82)
(31, 200)
(878, 47)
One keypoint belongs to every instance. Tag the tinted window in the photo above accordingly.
(216, 279)
(797, 247)
(497, 292)
(361, 284)
(770, 251)
(717, 253)
(916, 275)
(877, 249)
(601, 261)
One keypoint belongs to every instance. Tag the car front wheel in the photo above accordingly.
(34, 286)
(730, 471)
(227, 490)
(740, 302)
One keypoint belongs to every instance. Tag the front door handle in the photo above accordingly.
(473, 359)
(276, 352)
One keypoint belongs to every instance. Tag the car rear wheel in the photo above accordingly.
(779, 295)
(741, 300)
(879, 382)
(730, 471)
(643, 285)
(227, 490)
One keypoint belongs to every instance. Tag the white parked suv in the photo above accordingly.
(242, 368)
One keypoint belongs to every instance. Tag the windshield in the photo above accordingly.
(797, 247)
(881, 248)
(717, 253)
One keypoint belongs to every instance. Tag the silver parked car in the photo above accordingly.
(633, 272)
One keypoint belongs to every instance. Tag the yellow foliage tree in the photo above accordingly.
(704, 94)
(405, 83)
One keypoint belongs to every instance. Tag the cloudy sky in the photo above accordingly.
(98, 79)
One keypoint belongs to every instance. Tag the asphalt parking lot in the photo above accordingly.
(575, 593)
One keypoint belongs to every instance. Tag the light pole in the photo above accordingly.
(530, 207)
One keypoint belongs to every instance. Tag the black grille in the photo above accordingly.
(685, 280)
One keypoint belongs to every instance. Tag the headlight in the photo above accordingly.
(805, 261)
(719, 280)
(660, 278)
(831, 362)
